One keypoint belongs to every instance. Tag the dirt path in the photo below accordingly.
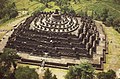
(9, 25)
(8, 28)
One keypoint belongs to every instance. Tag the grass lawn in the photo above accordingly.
(28, 5)
(53, 7)
(98, 6)
(24, 65)
(113, 56)
(60, 73)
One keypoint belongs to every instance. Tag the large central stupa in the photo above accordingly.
(55, 22)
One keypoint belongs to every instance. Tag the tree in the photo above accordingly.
(81, 13)
(45, 2)
(81, 71)
(101, 75)
(110, 74)
(47, 74)
(71, 74)
(117, 1)
(65, 9)
(54, 77)
(87, 71)
(7, 9)
(104, 14)
(109, 21)
(76, 1)
(26, 73)
(8, 57)
(78, 71)
(7, 60)
(116, 24)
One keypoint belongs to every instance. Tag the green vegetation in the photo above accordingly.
(86, 71)
(48, 75)
(7, 10)
(110, 74)
(28, 6)
(8, 66)
(7, 60)
(54, 77)
(113, 56)
(107, 11)
(26, 73)
(116, 24)
(81, 71)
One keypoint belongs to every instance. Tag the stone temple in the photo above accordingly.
(60, 39)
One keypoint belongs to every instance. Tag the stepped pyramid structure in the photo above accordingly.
(66, 39)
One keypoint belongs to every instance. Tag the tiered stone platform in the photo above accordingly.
(60, 36)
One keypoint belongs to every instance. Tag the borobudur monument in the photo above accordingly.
(65, 38)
